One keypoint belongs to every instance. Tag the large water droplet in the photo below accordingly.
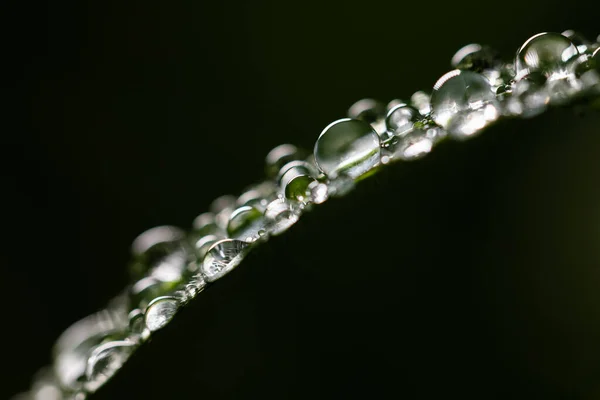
(104, 361)
(547, 53)
(244, 223)
(370, 111)
(281, 215)
(347, 146)
(463, 103)
(160, 311)
(222, 258)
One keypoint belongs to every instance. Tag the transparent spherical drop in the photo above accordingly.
(280, 215)
(104, 361)
(204, 243)
(463, 103)
(319, 192)
(547, 53)
(136, 323)
(529, 96)
(421, 101)
(222, 258)
(295, 183)
(341, 186)
(416, 144)
(401, 119)
(370, 111)
(160, 311)
(244, 223)
(258, 196)
(282, 155)
(147, 289)
(73, 347)
(578, 39)
(474, 57)
(347, 146)
(222, 207)
(153, 245)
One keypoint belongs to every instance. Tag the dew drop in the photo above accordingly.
(295, 183)
(223, 257)
(547, 53)
(245, 222)
(347, 146)
(282, 155)
(280, 215)
(401, 119)
(319, 193)
(160, 311)
(463, 103)
(474, 57)
(370, 111)
(104, 361)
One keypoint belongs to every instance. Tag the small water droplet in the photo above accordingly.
(256, 195)
(341, 186)
(104, 361)
(281, 214)
(529, 96)
(547, 53)
(295, 182)
(319, 193)
(153, 245)
(136, 322)
(421, 101)
(580, 41)
(474, 57)
(401, 119)
(245, 222)
(463, 103)
(416, 144)
(147, 289)
(370, 111)
(160, 311)
(282, 155)
(347, 146)
(223, 257)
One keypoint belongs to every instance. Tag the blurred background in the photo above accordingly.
(121, 116)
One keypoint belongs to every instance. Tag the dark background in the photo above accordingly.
(472, 273)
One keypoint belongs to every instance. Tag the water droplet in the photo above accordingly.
(463, 103)
(203, 221)
(474, 57)
(153, 245)
(319, 193)
(223, 257)
(104, 361)
(347, 146)
(341, 186)
(281, 214)
(204, 243)
(258, 196)
(160, 311)
(295, 181)
(73, 347)
(529, 96)
(245, 222)
(421, 101)
(222, 207)
(137, 325)
(401, 119)
(282, 155)
(147, 289)
(394, 103)
(580, 41)
(416, 143)
(547, 53)
(370, 111)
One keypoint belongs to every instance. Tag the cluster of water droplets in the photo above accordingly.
(171, 267)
